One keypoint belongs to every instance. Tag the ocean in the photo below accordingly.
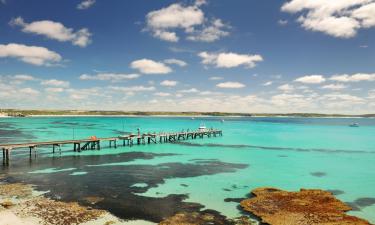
(152, 182)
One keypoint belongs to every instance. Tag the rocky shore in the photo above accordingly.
(306, 207)
(21, 205)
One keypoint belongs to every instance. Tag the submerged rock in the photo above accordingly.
(306, 207)
(16, 190)
(203, 218)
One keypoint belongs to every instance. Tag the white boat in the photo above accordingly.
(202, 127)
(354, 125)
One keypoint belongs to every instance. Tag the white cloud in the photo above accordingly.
(147, 66)
(133, 88)
(162, 94)
(229, 60)
(354, 78)
(166, 35)
(334, 87)
(29, 91)
(268, 83)
(340, 19)
(176, 62)
(286, 88)
(311, 79)
(191, 90)
(209, 33)
(343, 97)
(35, 55)
(190, 19)
(55, 90)
(232, 85)
(109, 76)
(168, 83)
(54, 30)
(282, 22)
(216, 78)
(23, 77)
(85, 4)
(56, 83)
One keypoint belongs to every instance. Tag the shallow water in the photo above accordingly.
(154, 181)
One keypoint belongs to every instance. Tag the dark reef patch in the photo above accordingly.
(336, 191)
(9, 133)
(237, 200)
(116, 185)
(364, 202)
(191, 144)
(318, 174)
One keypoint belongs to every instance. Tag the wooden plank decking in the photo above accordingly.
(94, 143)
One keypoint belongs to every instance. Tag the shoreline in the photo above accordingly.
(192, 116)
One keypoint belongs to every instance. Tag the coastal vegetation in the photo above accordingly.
(25, 112)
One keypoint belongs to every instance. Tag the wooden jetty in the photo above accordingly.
(94, 143)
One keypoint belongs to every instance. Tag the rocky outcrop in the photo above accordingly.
(205, 217)
(306, 207)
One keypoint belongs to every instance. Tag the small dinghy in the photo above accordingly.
(354, 125)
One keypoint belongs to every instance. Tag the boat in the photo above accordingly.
(202, 127)
(354, 125)
(222, 120)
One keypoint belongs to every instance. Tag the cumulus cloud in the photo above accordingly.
(231, 85)
(162, 94)
(229, 59)
(133, 88)
(54, 30)
(286, 87)
(209, 33)
(216, 78)
(148, 66)
(35, 55)
(109, 76)
(29, 91)
(54, 90)
(340, 19)
(354, 78)
(56, 83)
(85, 4)
(334, 87)
(268, 83)
(176, 62)
(23, 77)
(343, 97)
(191, 90)
(282, 22)
(190, 19)
(311, 79)
(168, 83)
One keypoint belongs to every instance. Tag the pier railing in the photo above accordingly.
(95, 143)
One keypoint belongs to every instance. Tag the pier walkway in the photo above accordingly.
(93, 142)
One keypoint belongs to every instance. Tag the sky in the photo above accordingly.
(278, 56)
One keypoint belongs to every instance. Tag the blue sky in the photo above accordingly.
(235, 56)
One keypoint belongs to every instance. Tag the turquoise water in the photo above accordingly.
(287, 153)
